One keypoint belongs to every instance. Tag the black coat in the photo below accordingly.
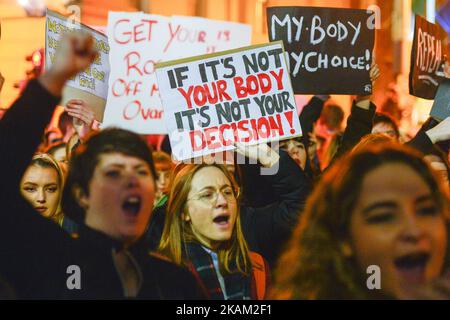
(264, 194)
(359, 124)
(35, 253)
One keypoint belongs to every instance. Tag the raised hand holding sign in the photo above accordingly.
(75, 53)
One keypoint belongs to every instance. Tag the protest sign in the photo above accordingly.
(213, 101)
(91, 85)
(441, 104)
(139, 41)
(329, 50)
(428, 55)
(213, 36)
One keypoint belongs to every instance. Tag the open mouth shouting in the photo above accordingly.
(222, 221)
(412, 267)
(132, 205)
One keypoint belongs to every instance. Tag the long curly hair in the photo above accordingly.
(318, 268)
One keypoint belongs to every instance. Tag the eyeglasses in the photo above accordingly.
(210, 197)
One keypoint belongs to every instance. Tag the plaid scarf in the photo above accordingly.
(237, 285)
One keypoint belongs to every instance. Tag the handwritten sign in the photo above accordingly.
(428, 55)
(138, 42)
(213, 101)
(91, 84)
(329, 50)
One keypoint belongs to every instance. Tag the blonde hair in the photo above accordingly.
(178, 232)
(47, 161)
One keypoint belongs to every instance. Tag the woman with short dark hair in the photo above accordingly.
(109, 191)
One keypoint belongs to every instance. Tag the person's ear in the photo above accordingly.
(80, 197)
(346, 249)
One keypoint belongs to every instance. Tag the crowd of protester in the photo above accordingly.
(339, 200)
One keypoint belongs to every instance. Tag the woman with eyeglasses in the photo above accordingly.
(207, 231)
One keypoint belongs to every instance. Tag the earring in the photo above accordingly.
(185, 217)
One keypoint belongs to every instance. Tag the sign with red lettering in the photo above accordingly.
(138, 41)
(213, 101)
(428, 56)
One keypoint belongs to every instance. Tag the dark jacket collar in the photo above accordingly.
(101, 240)
(97, 238)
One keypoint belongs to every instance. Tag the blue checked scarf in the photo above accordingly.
(237, 285)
